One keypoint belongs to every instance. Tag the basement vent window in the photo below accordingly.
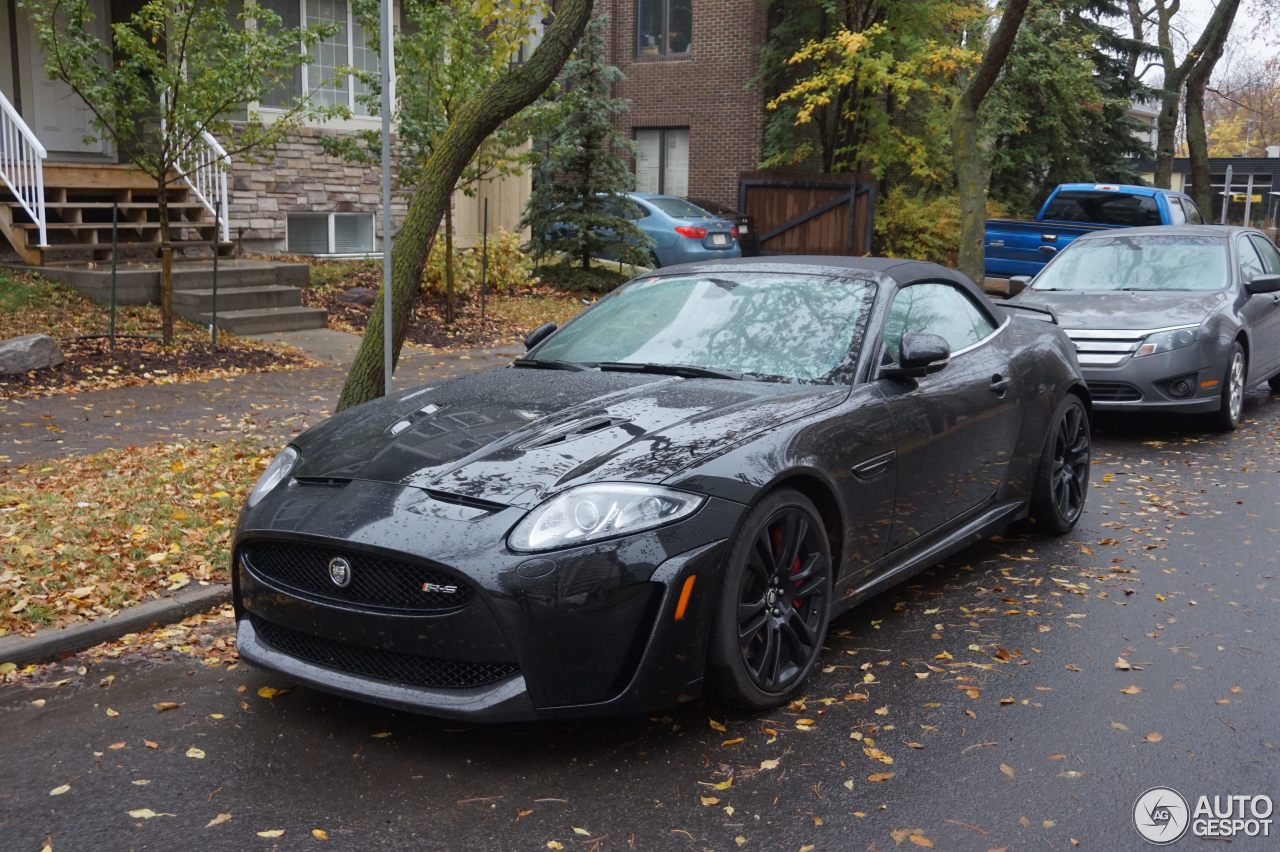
(330, 233)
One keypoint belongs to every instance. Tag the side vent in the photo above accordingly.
(571, 431)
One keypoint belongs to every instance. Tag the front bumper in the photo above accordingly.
(1147, 383)
(582, 631)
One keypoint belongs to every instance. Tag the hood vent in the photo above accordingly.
(573, 430)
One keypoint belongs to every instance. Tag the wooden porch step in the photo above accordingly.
(123, 205)
(83, 176)
(123, 224)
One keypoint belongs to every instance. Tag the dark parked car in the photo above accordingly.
(1179, 319)
(748, 238)
(674, 492)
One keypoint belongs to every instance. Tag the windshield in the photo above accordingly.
(1138, 263)
(678, 208)
(790, 328)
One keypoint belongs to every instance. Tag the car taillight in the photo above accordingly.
(693, 232)
(734, 232)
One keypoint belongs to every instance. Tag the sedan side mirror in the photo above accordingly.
(922, 354)
(1263, 284)
(539, 334)
(1018, 283)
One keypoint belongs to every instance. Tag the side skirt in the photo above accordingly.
(896, 567)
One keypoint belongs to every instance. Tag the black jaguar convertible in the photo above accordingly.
(672, 494)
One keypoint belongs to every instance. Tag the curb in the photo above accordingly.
(56, 642)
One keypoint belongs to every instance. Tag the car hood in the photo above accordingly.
(1122, 310)
(512, 436)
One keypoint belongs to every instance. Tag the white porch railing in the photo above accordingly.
(22, 165)
(204, 170)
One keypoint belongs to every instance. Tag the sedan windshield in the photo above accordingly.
(1149, 262)
(789, 328)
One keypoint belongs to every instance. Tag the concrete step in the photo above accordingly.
(196, 302)
(240, 273)
(267, 320)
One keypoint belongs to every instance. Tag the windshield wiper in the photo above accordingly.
(686, 371)
(545, 364)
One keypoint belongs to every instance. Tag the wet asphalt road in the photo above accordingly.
(990, 682)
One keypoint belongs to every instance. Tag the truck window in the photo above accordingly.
(1176, 214)
(1102, 207)
(1193, 213)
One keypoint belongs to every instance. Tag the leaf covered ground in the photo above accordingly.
(84, 537)
(30, 304)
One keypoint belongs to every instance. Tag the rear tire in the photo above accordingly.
(1274, 382)
(1231, 409)
(775, 602)
(1062, 477)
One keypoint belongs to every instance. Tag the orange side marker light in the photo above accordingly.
(1210, 383)
(685, 593)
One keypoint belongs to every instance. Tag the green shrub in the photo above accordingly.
(921, 227)
(510, 266)
(572, 277)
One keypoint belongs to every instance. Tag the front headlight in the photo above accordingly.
(1167, 341)
(592, 512)
(275, 473)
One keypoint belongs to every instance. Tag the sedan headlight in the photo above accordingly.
(1167, 341)
(275, 473)
(592, 512)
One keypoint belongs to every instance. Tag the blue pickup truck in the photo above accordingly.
(1023, 246)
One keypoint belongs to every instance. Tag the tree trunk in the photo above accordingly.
(1166, 131)
(448, 262)
(1197, 82)
(476, 120)
(969, 156)
(166, 263)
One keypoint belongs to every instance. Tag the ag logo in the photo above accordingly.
(1161, 815)
(340, 572)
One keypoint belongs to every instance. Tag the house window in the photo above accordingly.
(664, 27)
(662, 160)
(346, 47)
(330, 233)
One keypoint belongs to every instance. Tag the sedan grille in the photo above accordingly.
(391, 666)
(1114, 392)
(1100, 348)
(374, 580)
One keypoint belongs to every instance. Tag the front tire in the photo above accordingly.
(775, 602)
(1274, 382)
(1062, 477)
(1227, 417)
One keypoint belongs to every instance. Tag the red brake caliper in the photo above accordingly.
(795, 569)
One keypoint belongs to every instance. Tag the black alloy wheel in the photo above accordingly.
(1062, 480)
(774, 604)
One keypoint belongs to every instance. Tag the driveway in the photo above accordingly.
(1020, 696)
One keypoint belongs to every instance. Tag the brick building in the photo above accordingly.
(688, 64)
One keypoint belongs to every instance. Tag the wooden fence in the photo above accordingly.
(798, 213)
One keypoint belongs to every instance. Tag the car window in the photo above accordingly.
(941, 309)
(1116, 260)
(624, 208)
(1193, 212)
(1103, 207)
(1177, 216)
(1267, 251)
(1250, 264)
(678, 208)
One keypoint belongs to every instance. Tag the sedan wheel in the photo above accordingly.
(1228, 415)
(774, 603)
(1062, 479)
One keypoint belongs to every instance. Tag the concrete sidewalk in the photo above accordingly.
(276, 405)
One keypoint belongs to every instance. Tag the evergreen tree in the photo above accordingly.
(581, 172)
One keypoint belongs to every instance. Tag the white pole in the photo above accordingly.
(388, 84)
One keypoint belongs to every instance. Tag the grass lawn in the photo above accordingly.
(30, 304)
(83, 537)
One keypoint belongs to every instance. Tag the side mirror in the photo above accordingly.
(1263, 284)
(538, 335)
(922, 354)
(1018, 283)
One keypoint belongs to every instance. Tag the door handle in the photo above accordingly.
(874, 466)
(1048, 250)
(1000, 384)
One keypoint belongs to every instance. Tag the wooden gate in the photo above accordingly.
(798, 213)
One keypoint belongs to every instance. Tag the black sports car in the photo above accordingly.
(674, 492)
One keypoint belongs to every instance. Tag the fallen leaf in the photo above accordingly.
(381, 735)
(1131, 690)
(166, 705)
(708, 801)
(117, 746)
(111, 714)
(319, 834)
(58, 791)
(770, 764)
(581, 832)
(877, 777)
(1120, 726)
(268, 692)
(151, 744)
(195, 753)
(554, 844)
(1154, 737)
(1122, 664)
(271, 832)
(1006, 769)
(716, 726)
(218, 820)
(877, 754)
(740, 840)
(732, 742)
(146, 813)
